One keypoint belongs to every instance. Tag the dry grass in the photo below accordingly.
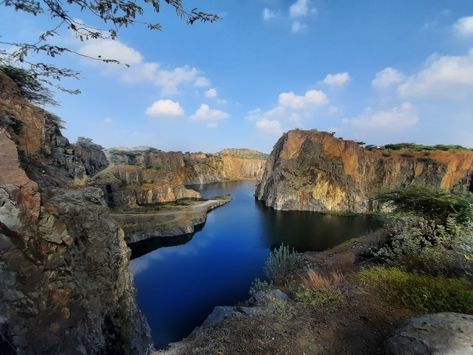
(318, 281)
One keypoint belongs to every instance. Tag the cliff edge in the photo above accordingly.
(65, 285)
(314, 171)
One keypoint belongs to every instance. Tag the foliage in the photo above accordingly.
(114, 14)
(282, 308)
(316, 280)
(282, 261)
(88, 142)
(31, 88)
(327, 297)
(421, 292)
(419, 147)
(259, 285)
(413, 236)
(431, 203)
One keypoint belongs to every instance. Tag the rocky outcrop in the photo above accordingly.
(311, 170)
(65, 287)
(146, 176)
(166, 222)
(440, 333)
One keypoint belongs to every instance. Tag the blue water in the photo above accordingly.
(178, 285)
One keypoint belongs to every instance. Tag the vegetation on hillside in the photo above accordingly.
(413, 147)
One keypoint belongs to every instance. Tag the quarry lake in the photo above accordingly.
(183, 279)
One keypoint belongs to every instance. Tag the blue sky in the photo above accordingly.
(380, 71)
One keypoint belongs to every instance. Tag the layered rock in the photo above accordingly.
(311, 170)
(65, 287)
(146, 176)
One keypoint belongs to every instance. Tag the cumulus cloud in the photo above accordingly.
(442, 76)
(311, 99)
(269, 14)
(109, 49)
(298, 26)
(202, 82)
(298, 11)
(387, 77)
(464, 26)
(301, 8)
(395, 119)
(211, 116)
(337, 80)
(168, 80)
(165, 108)
(269, 126)
(211, 93)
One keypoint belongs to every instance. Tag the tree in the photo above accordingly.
(114, 14)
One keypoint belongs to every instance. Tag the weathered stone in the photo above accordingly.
(263, 298)
(148, 176)
(65, 287)
(311, 170)
(440, 333)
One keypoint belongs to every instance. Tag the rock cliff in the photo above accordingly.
(311, 170)
(146, 176)
(65, 287)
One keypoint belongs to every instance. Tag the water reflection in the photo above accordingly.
(178, 285)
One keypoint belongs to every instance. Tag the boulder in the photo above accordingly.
(440, 333)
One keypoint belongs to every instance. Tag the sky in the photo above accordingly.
(377, 71)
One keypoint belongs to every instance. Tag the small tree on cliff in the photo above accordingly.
(113, 14)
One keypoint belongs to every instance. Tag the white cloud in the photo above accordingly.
(212, 116)
(269, 14)
(333, 110)
(337, 80)
(387, 77)
(298, 26)
(108, 120)
(464, 26)
(109, 49)
(269, 126)
(165, 108)
(202, 82)
(211, 93)
(311, 99)
(168, 80)
(395, 119)
(301, 8)
(442, 76)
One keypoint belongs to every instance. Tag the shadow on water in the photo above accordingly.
(180, 280)
(144, 247)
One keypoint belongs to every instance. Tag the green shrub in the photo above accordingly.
(257, 285)
(412, 236)
(421, 292)
(431, 203)
(407, 155)
(327, 297)
(282, 261)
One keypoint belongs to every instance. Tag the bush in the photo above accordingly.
(257, 285)
(431, 203)
(327, 297)
(412, 236)
(282, 261)
(421, 292)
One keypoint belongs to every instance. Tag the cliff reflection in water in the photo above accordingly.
(179, 285)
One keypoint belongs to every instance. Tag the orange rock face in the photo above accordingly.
(147, 176)
(310, 170)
